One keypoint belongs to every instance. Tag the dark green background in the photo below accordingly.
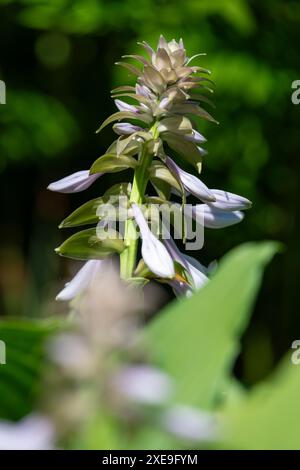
(57, 59)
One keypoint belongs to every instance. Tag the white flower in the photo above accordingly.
(123, 106)
(216, 218)
(74, 183)
(190, 423)
(125, 128)
(229, 202)
(191, 183)
(195, 137)
(143, 384)
(154, 253)
(196, 271)
(85, 276)
(34, 432)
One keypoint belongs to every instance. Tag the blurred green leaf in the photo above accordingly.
(196, 339)
(20, 377)
(268, 417)
(34, 125)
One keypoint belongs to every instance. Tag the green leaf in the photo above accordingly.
(268, 418)
(111, 163)
(185, 148)
(119, 189)
(84, 215)
(87, 245)
(118, 116)
(87, 213)
(158, 171)
(196, 339)
(20, 377)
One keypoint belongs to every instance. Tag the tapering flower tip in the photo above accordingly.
(154, 253)
(197, 271)
(216, 218)
(195, 137)
(144, 91)
(191, 183)
(123, 106)
(84, 277)
(74, 183)
(229, 202)
(125, 128)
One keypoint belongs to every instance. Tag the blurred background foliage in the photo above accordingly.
(57, 59)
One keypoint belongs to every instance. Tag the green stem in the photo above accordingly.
(140, 180)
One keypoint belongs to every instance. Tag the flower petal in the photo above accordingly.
(197, 271)
(74, 183)
(125, 128)
(123, 106)
(154, 253)
(34, 432)
(229, 202)
(81, 280)
(191, 183)
(195, 137)
(143, 384)
(216, 218)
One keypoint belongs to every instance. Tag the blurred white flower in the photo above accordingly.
(190, 423)
(143, 384)
(34, 432)
(72, 352)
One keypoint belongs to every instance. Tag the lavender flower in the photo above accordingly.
(74, 183)
(81, 280)
(154, 253)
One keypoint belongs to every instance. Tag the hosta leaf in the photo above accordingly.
(111, 163)
(20, 377)
(196, 339)
(87, 245)
(267, 418)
